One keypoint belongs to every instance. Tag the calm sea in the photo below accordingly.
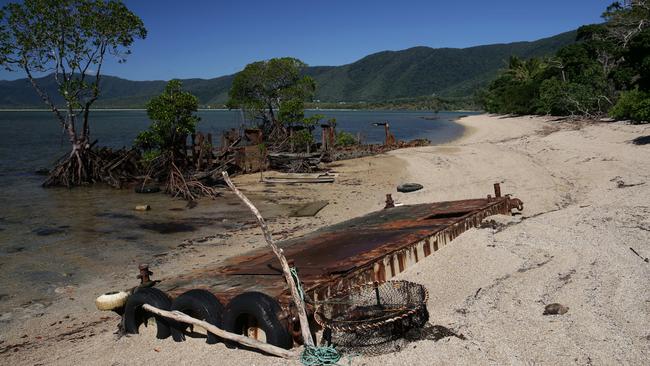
(51, 238)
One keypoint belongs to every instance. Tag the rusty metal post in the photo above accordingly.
(376, 285)
(389, 201)
(387, 132)
(144, 273)
(324, 138)
(497, 190)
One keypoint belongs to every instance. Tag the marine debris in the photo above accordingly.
(341, 272)
(366, 318)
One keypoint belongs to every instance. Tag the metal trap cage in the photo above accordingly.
(373, 318)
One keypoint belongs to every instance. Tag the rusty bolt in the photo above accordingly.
(144, 273)
(389, 201)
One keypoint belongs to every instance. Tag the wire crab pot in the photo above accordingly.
(373, 318)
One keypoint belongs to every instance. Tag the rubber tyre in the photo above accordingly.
(199, 304)
(111, 300)
(409, 187)
(134, 315)
(264, 310)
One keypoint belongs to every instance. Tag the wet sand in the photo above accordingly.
(586, 203)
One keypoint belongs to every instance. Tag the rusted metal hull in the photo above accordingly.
(374, 247)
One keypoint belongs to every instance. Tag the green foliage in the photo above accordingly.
(517, 89)
(292, 111)
(424, 71)
(313, 121)
(266, 86)
(586, 77)
(69, 38)
(302, 140)
(150, 155)
(633, 105)
(570, 84)
(345, 139)
(560, 98)
(419, 78)
(173, 118)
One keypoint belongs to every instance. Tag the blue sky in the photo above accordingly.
(205, 39)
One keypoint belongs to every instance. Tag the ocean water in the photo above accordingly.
(55, 237)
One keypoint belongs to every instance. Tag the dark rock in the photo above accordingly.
(168, 227)
(555, 309)
(641, 140)
(129, 237)
(147, 189)
(16, 249)
(45, 231)
(115, 215)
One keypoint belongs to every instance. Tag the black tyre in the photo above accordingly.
(199, 304)
(409, 187)
(134, 315)
(262, 312)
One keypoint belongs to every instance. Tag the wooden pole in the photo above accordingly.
(246, 341)
(300, 304)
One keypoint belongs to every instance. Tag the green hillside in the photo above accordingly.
(388, 75)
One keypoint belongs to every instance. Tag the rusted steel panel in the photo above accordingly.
(376, 246)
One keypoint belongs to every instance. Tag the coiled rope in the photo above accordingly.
(324, 355)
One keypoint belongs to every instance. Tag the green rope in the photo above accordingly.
(311, 355)
(294, 274)
(316, 356)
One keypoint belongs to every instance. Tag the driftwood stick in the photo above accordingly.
(300, 304)
(246, 341)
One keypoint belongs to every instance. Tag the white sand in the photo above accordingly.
(571, 246)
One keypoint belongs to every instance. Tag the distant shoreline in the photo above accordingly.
(225, 109)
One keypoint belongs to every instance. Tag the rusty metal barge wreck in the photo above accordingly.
(374, 247)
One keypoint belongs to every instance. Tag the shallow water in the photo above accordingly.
(56, 237)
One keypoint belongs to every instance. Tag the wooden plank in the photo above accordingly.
(309, 209)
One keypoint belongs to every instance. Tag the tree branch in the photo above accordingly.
(246, 341)
(300, 304)
(44, 96)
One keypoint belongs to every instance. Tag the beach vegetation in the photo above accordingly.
(606, 71)
(302, 137)
(345, 139)
(173, 116)
(71, 40)
(302, 140)
(165, 160)
(272, 93)
(633, 105)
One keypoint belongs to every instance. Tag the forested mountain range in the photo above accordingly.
(383, 76)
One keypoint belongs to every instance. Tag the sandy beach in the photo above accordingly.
(586, 190)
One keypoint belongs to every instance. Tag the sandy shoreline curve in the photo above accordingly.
(586, 190)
